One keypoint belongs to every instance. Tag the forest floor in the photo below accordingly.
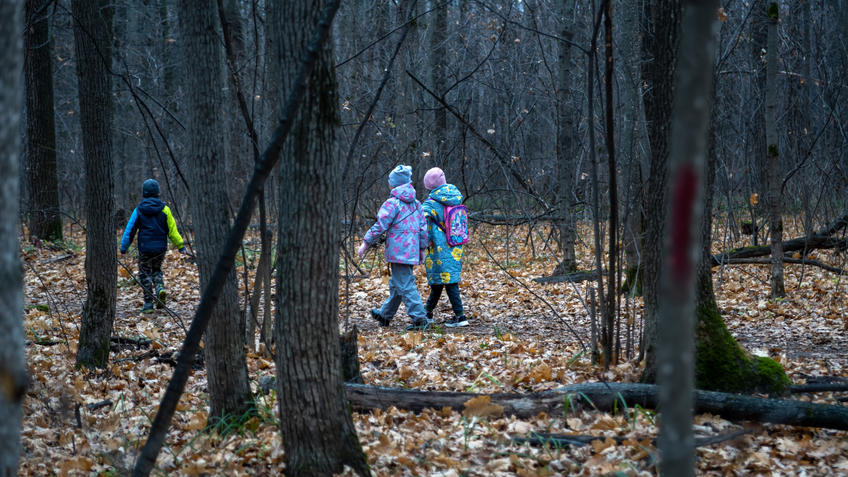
(523, 336)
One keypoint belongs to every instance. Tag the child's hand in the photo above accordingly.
(361, 250)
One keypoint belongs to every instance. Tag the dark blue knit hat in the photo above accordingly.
(150, 188)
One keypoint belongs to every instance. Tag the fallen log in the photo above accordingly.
(562, 440)
(818, 240)
(819, 388)
(799, 261)
(606, 397)
(575, 277)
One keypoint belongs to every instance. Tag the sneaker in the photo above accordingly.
(377, 316)
(147, 308)
(419, 325)
(456, 322)
(162, 297)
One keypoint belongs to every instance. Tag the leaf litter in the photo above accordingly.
(513, 344)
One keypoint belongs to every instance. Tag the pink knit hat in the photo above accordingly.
(434, 178)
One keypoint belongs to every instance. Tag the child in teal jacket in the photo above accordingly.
(443, 262)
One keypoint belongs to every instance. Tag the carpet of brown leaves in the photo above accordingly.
(518, 341)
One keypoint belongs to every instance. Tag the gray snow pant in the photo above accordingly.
(402, 288)
(150, 273)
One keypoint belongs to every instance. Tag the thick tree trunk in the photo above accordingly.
(605, 397)
(688, 147)
(660, 47)
(565, 132)
(92, 45)
(721, 364)
(45, 222)
(226, 365)
(12, 365)
(318, 433)
(773, 171)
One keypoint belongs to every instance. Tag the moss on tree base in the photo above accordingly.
(722, 365)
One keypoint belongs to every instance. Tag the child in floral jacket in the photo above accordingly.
(443, 262)
(402, 220)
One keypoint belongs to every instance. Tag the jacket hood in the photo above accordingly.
(151, 206)
(404, 193)
(446, 194)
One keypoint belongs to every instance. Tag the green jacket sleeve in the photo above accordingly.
(173, 234)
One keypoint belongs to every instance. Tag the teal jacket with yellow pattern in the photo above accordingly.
(444, 263)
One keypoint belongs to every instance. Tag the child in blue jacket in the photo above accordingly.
(443, 262)
(153, 222)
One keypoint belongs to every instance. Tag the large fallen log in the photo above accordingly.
(606, 397)
(800, 244)
(821, 239)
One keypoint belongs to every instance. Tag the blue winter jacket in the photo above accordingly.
(443, 263)
(154, 223)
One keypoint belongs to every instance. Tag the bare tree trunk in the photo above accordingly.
(689, 145)
(226, 365)
(632, 142)
(45, 222)
(92, 45)
(318, 433)
(660, 44)
(773, 158)
(565, 132)
(438, 65)
(609, 308)
(12, 365)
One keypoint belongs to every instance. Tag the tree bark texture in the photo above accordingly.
(606, 397)
(660, 48)
(92, 46)
(226, 365)
(317, 429)
(565, 132)
(12, 365)
(45, 221)
(688, 148)
(773, 171)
